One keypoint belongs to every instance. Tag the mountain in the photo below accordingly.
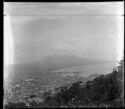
(65, 61)
(56, 62)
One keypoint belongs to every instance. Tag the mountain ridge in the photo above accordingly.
(56, 62)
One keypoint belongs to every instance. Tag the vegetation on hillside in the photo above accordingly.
(102, 91)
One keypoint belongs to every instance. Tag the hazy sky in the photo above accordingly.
(83, 29)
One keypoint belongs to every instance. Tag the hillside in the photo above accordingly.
(101, 91)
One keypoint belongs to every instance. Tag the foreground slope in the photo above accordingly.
(102, 91)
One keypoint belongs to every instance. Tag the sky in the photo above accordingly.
(87, 30)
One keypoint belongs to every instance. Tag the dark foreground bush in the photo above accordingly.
(103, 91)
